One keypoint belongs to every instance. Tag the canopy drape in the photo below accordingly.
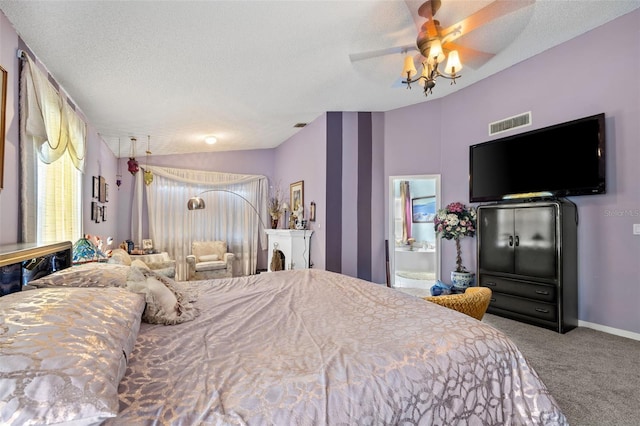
(228, 217)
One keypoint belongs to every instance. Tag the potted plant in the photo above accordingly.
(455, 222)
(275, 207)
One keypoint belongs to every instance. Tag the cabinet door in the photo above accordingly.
(535, 241)
(496, 240)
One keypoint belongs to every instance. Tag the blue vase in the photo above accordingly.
(462, 280)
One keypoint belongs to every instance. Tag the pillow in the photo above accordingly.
(166, 304)
(208, 258)
(139, 263)
(120, 257)
(92, 274)
(64, 352)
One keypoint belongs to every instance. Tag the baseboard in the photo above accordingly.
(610, 330)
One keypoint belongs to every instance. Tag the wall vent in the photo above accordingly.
(299, 124)
(520, 120)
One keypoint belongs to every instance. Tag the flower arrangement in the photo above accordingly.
(454, 222)
(275, 203)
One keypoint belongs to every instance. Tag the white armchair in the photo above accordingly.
(209, 259)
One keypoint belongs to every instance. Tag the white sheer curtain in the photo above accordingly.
(226, 217)
(50, 132)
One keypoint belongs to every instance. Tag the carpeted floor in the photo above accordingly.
(594, 376)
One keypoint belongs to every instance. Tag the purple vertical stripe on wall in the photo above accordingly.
(333, 230)
(365, 157)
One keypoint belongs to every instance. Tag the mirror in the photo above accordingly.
(414, 250)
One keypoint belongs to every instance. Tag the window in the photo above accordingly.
(53, 148)
(59, 208)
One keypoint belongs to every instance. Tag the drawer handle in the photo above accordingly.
(489, 283)
(544, 311)
(544, 292)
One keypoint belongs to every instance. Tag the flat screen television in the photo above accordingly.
(556, 161)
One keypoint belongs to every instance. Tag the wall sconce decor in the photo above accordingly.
(312, 212)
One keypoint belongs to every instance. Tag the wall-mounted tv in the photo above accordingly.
(557, 161)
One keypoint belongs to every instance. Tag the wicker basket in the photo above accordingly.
(473, 302)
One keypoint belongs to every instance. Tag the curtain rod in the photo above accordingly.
(22, 54)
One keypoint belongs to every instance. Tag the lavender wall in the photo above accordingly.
(303, 157)
(9, 195)
(609, 271)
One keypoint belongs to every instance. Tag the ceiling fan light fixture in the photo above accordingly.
(436, 55)
(409, 70)
(453, 63)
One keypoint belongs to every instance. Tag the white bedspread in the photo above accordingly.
(312, 347)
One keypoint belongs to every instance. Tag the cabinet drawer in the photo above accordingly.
(542, 292)
(532, 308)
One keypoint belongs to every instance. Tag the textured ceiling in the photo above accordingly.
(247, 71)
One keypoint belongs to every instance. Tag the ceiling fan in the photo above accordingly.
(435, 42)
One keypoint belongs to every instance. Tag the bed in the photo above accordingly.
(301, 347)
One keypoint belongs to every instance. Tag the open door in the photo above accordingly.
(414, 250)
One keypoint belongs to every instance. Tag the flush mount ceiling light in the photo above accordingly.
(210, 140)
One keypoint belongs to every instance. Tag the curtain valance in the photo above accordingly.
(51, 123)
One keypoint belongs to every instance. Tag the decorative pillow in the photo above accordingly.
(139, 264)
(93, 274)
(208, 258)
(64, 352)
(166, 304)
(120, 257)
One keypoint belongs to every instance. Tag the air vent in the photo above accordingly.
(510, 123)
(299, 124)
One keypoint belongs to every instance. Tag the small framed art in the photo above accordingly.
(94, 210)
(3, 106)
(103, 190)
(423, 209)
(103, 211)
(96, 187)
(296, 195)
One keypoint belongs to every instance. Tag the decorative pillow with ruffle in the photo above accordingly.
(166, 302)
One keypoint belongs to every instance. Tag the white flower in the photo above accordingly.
(452, 219)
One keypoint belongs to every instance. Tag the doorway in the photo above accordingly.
(414, 250)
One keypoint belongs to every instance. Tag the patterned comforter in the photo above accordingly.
(312, 347)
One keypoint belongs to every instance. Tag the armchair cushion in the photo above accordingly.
(208, 258)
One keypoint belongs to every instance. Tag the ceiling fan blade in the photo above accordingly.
(470, 57)
(485, 15)
(381, 52)
(428, 11)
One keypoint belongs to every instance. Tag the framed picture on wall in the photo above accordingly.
(296, 195)
(103, 210)
(98, 213)
(94, 210)
(103, 190)
(423, 209)
(96, 187)
(3, 106)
